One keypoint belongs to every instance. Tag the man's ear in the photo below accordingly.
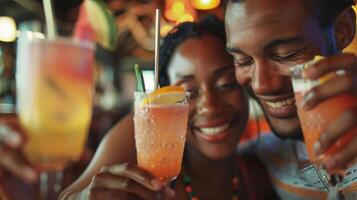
(345, 28)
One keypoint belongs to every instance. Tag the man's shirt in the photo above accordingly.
(293, 176)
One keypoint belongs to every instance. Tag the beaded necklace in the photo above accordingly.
(192, 194)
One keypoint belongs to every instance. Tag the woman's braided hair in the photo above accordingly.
(208, 25)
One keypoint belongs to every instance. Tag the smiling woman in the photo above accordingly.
(192, 56)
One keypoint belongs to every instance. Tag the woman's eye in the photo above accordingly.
(193, 92)
(189, 86)
(243, 62)
(227, 86)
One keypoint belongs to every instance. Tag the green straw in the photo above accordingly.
(140, 84)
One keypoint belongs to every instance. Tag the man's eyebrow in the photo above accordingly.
(234, 50)
(271, 44)
(282, 41)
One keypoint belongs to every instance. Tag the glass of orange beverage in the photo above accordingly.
(54, 80)
(317, 119)
(160, 120)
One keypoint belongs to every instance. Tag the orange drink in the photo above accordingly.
(54, 90)
(316, 120)
(160, 131)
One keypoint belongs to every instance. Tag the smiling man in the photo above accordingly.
(265, 35)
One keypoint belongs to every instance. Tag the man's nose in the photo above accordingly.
(265, 79)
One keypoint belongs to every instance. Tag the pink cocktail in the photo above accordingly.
(160, 132)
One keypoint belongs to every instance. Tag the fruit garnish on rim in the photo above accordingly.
(96, 23)
(165, 95)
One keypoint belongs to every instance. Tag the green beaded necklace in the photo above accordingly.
(192, 194)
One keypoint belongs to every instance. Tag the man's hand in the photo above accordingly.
(345, 83)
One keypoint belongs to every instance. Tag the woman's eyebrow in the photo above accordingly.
(223, 69)
(184, 76)
(180, 79)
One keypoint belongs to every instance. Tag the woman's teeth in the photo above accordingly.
(214, 130)
(280, 104)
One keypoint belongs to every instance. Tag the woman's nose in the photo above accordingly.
(209, 102)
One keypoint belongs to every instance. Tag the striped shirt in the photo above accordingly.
(292, 174)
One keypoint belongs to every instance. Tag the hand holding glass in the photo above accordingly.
(314, 121)
(54, 82)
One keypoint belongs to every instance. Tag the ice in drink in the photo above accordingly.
(160, 138)
(314, 121)
(160, 132)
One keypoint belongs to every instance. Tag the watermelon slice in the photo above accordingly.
(96, 23)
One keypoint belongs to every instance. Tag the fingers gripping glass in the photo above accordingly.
(314, 121)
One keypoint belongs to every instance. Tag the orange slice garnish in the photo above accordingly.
(165, 95)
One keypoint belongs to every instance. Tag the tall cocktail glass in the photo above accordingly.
(317, 119)
(54, 81)
(160, 133)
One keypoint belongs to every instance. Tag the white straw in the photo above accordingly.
(157, 35)
(50, 22)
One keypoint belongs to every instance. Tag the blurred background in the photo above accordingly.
(115, 80)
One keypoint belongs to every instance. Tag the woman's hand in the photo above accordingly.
(123, 181)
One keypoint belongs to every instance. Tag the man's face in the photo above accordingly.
(263, 35)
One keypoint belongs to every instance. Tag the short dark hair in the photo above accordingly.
(208, 25)
(326, 11)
